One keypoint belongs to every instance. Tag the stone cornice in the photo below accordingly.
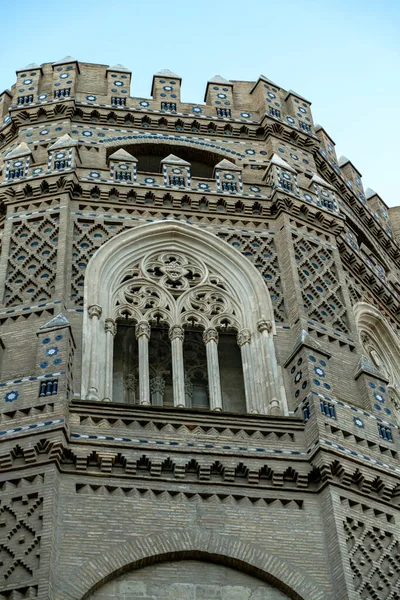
(164, 466)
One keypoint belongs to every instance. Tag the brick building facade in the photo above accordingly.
(200, 315)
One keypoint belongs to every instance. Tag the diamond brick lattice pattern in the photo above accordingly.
(31, 269)
(261, 252)
(20, 529)
(320, 289)
(374, 557)
(89, 235)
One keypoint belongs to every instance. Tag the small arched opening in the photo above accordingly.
(149, 156)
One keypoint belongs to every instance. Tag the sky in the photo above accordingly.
(343, 55)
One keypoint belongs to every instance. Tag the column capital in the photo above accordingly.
(264, 325)
(188, 388)
(110, 326)
(94, 311)
(157, 384)
(93, 394)
(210, 335)
(243, 337)
(142, 328)
(130, 382)
(176, 332)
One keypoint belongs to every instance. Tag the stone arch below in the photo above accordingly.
(226, 551)
(150, 154)
(188, 580)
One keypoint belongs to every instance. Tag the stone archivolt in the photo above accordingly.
(382, 346)
(190, 279)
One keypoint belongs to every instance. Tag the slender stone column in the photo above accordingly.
(94, 314)
(110, 328)
(210, 338)
(274, 406)
(244, 340)
(176, 335)
(142, 331)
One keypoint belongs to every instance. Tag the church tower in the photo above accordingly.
(199, 347)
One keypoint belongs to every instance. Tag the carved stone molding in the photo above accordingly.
(94, 311)
(142, 328)
(192, 280)
(174, 271)
(264, 325)
(244, 337)
(110, 327)
(157, 385)
(210, 335)
(131, 383)
(176, 332)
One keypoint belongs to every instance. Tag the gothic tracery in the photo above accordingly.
(181, 287)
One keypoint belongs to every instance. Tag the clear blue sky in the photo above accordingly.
(343, 55)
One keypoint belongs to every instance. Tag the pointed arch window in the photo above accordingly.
(382, 347)
(173, 318)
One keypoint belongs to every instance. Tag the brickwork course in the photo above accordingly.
(199, 347)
